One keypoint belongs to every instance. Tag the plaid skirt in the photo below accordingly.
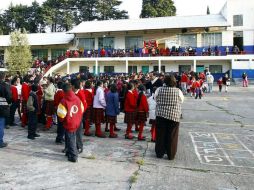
(152, 121)
(24, 107)
(141, 117)
(130, 117)
(88, 115)
(111, 119)
(49, 107)
(98, 115)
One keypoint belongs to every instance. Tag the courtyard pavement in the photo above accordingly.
(215, 151)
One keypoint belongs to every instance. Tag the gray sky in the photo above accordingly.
(184, 7)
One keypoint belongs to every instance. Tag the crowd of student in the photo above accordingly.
(83, 100)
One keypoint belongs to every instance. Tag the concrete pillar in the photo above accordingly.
(96, 43)
(127, 66)
(96, 67)
(231, 68)
(194, 65)
(49, 54)
(68, 67)
(159, 66)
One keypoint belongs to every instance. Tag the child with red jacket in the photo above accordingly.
(25, 91)
(135, 92)
(142, 111)
(130, 105)
(88, 91)
(220, 83)
(57, 99)
(70, 111)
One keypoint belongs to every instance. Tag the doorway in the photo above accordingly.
(145, 69)
(200, 68)
(184, 68)
(238, 39)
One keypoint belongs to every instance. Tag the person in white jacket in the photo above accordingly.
(152, 116)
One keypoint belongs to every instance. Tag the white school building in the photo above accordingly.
(233, 25)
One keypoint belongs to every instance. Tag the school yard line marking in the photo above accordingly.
(244, 145)
(230, 161)
(209, 123)
(195, 148)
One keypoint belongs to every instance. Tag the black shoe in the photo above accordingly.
(7, 127)
(3, 145)
(31, 137)
(59, 142)
(72, 160)
(80, 150)
(37, 135)
(64, 150)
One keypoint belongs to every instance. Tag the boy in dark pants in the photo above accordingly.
(32, 108)
(70, 111)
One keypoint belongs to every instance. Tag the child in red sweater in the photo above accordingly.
(220, 83)
(89, 93)
(142, 111)
(70, 111)
(130, 105)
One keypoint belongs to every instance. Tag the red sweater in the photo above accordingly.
(184, 78)
(70, 111)
(14, 92)
(82, 97)
(89, 96)
(58, 97)
(25, 91)
(130, 103)
(143, 106)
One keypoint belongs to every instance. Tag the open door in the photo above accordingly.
(238, 39)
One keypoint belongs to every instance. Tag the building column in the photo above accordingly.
(127, 66)
(96, 43)
(231, 68)
(96, 67)
(68, 67)
(49, 54)
(159, 66)
(194, 65)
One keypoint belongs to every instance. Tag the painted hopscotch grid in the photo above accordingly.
(224, 149)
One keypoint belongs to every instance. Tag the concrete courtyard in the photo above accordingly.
(215, 152)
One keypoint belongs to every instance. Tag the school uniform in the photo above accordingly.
(25, 91)
(70, 111)
(142, 110)
(130, 105)
(88, 113)
(99, 105)
(49, 93)
(60, 129)
(81, 95)
(112, 110)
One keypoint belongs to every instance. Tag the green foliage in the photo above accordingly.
(157, 8)
(58, 15)
(19, 57)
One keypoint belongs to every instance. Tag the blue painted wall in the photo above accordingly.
(237, 73)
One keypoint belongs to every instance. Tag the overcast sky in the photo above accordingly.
(184, 7)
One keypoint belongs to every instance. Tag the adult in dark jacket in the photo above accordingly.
(168, 113)
(5, 100)
(112, 109)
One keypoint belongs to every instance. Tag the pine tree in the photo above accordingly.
(157, 8)
(19, 57)
(108, 9)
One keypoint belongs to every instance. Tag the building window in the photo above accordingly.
(109, 69)
(86, 43)
(156, 68)
(238, 20)
(41, 54)
(133, 42)
(57, 52)
(107, 43)
(132, 69)
(186, 40)
(215, 68)
(211, 39)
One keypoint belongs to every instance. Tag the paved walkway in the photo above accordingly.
(215, 151)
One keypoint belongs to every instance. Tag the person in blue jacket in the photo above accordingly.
(112, 109)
